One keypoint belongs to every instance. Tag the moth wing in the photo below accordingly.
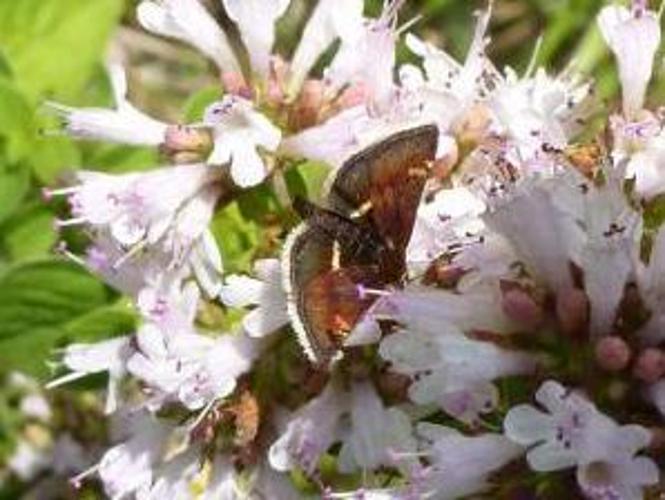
(324, 302)
(387, 179)
(308, 253)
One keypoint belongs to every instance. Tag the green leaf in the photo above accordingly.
(237, 238)
(29, 234)
(53, 155)
(308, 179)
(197, 103)
(5, 68)
(16, 122)
(256, 203)
(119, 159)
(38, 303)
(14, 185)
(108, 321)
(30, 353)
(46, 293)
(54, 44)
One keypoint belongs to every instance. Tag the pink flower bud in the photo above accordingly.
(572, 310)
(180, 138)
(612, 353)
(521, 307)
(650, 365)
(305, 113)
(234, 83)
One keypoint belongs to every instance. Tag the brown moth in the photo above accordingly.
(356, 241)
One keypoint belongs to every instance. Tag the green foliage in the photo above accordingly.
(53, 45)
(38, 303)
(198, 102)
(50, 49)
(237, 237)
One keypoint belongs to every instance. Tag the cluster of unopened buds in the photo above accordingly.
(474, 305)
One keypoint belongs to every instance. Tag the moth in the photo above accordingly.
(356, 241)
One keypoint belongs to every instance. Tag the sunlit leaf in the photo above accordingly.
(54, 44)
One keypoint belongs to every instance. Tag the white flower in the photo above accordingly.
(441, 223)
(452, 371)
(448, 368)
(367, 55)
(190, 368)
(223, 484)
(126, 272)
(376, 433)
(310, 431)
(106, 356)
(256, 21)
(642, 145)
(625, 480)
(267, 483)
(266, 293)
(543, 234)
(27, 461)
(540, 109)
(331, 19)
(225, 361)
(69, 456)
(374, 494)
(36, 406)
(206, 263)
(239, 130)
(655, 393)
(174, 478)
(613, 231)
(129, 466)
(146, 209)
(124, 125)
(450, 87)
(459, 465)
(170, 306)
(573, 432)
(634, 37)
(651, 283)
(422, 309)
(259, 481)
(335, 140)
(189, 21)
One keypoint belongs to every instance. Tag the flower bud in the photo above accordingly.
(521, 307)
(183, 139)
(572, 310)
(276, 82)
(612, 353)
(308, 106)
(650, 365)
(234, 83)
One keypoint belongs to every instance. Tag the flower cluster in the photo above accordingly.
(534, 273)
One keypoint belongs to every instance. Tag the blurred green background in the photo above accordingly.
(55, 50)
